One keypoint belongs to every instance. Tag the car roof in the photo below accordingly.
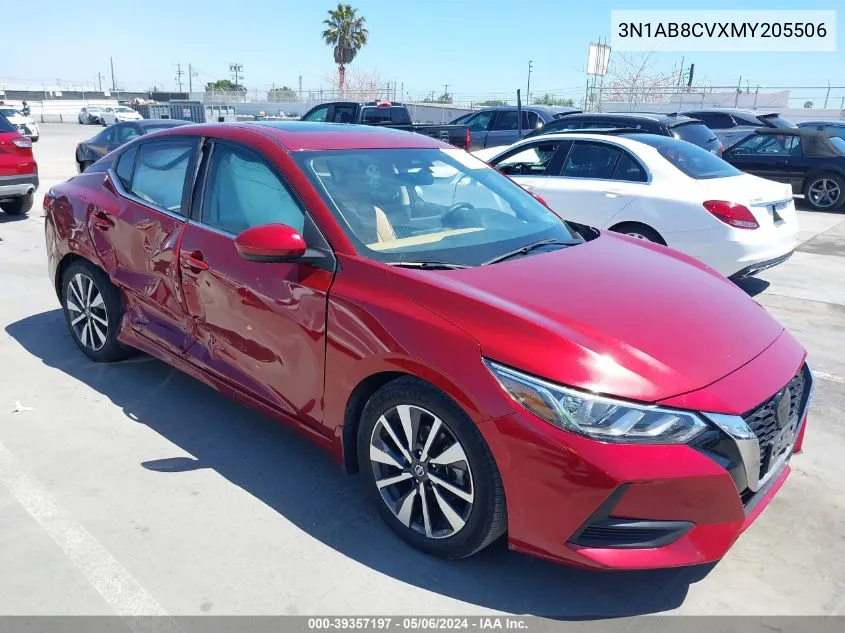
(627, 139)
(746, 111)
(820, 122)
(159, 122)
(530, 108)
(656, 117)
(308, 135)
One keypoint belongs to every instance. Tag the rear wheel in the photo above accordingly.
(429, 471)
(19, 205)
(825, 191)
(639, 231)
(93, 310)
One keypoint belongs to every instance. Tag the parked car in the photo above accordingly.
(811, 162)
(26, 125)
(498, 126)
(487, 366)
(831, 128)
(663, 190)
(680, 127)
(385, 114)
(116, 114)
(18, 170)
(91, 115)
(732, 124)
(90, 151)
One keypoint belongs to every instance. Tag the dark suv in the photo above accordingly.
(674, 125)
(732, 124)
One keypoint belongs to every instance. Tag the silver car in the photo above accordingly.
(732, 124)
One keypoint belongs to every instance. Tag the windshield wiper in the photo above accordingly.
(523, 250)
(428, 265)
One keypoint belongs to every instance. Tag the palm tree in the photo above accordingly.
(345, 31)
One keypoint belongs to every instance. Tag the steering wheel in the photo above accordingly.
(450, 217)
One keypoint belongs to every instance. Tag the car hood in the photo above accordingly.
(613, 315)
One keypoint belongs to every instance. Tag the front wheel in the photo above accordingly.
(825, 191)
(639, 231)
(93, 310)
(429, 470)
(19, 205)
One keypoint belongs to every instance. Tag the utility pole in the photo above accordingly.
(445, 91)
(179, 74)
(236, 70)
(528, 88)
(111, 63)
(300, 87)
(191, 74)
(100, 80)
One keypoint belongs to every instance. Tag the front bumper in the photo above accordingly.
(14, 186)
(625, 506)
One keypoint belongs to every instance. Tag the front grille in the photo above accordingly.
(763, 419)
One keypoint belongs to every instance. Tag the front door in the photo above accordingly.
(764, 155)
(135, 229)
(260, 326)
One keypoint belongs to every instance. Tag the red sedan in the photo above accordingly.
(487, 367)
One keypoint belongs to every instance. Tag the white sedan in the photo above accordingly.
(117, 114)
(660, 189)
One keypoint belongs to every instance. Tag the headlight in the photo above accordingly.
(595, 416)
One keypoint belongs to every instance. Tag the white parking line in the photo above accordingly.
(112, 581)
(829, 377)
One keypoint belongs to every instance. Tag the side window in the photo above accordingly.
(531, 160)
(242, 192)
(629, 169)
(479, 122)
(375, 115)
(560, 125)
(343, 113)
(506, 120)
(530, 120)
(743, 120)
(126, 133)
(104, 137)
(160, 169)
(765, 145)
(124, 166)
(317, 114)
(591, 160)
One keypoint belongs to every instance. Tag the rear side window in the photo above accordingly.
(776, 120)
(716, 120)
(160, 169)
(746, 120)
(344, 113)
(243, 192)
(124, 166)
(629, 169)
(695, 133)
(591, 160)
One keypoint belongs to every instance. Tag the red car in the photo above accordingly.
(18, 170)
(488, 367)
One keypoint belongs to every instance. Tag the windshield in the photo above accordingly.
(776, 120)
(9, 112)
(838, 143)
(122, 109)
(691, 159)
(414, 205)
(5, 126)
(696, 133)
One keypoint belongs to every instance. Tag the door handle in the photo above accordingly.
(612, 194)
(193, 261)
(102, 220)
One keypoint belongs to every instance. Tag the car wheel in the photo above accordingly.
(19, 205)
(639, 231)
(429, 470)
(825, 191)
(93, 310)
(34, 139)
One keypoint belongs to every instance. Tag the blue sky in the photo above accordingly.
(475, 46)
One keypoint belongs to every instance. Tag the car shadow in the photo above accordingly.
(258, 455)
(752, 285)
(5, 217)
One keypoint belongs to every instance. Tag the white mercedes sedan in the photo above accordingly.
(660, 189)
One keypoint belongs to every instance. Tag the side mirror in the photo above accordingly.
(270, 243)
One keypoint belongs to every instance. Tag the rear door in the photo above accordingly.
(478, 125)
(136, 234)
(596, 182)
(258, 325)
(505, 128)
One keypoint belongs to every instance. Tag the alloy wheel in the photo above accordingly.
(87, 312)
(824, 193)
(422, 471)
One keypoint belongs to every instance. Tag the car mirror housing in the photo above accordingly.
(271, 243)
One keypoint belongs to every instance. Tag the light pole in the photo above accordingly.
(528, 88)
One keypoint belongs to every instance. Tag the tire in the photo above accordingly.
(85, 318)
(85, 164)
(825, 191)
(19, 205)
(478, 515)
(640, 231)
(34, 139)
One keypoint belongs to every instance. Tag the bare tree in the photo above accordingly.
(360, 85)
(633, 79)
